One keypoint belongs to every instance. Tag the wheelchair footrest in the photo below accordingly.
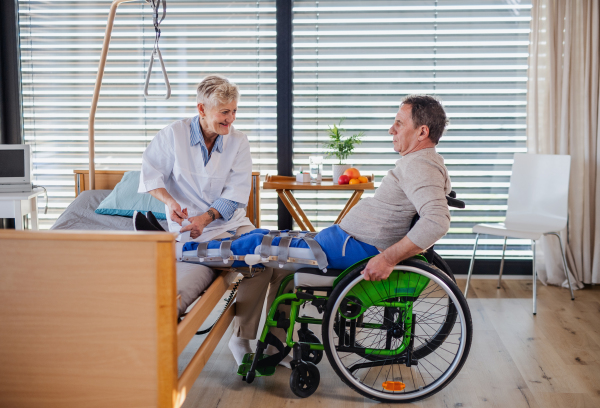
(260, 371)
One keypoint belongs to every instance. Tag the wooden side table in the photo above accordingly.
(17, 205)
(284, 186)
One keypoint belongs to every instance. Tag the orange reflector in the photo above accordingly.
(393, 385)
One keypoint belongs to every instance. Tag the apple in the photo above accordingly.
(343, 179)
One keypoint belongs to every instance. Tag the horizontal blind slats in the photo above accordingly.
(60, 50)
(356, 62)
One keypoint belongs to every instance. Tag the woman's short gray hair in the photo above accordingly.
(216, 90)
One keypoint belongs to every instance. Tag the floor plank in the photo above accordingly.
(516, 360)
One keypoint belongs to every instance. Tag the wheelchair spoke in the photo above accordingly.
(436, 333)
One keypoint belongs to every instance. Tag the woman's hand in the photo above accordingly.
(176, 213)
(196, 226)
(378, 268)
(199, 222)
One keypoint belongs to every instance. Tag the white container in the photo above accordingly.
(338, 170)
(303, 178)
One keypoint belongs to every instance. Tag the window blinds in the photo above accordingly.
(352, 59)
(356, 61)
(60, 49)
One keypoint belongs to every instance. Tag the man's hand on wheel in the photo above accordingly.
(378, 268)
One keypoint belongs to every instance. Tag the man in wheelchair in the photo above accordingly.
(395, 327)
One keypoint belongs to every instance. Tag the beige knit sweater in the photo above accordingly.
(418, 184)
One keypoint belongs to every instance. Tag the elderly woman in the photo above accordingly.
(201, 169)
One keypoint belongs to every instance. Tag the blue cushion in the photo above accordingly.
(125, 199)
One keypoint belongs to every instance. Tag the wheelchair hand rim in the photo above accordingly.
(428, 388)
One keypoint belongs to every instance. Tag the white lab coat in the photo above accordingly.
(170, 162)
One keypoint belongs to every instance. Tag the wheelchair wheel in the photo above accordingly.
(445, 318)
(439, 263)
(404, 338)
(305, 379)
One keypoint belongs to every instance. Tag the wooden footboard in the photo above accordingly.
(89, 320)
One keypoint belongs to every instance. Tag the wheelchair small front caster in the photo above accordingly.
(305, 379)
(250, 376)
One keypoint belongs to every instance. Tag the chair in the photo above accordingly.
(538, 199)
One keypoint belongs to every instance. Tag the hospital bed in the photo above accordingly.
(90, 318)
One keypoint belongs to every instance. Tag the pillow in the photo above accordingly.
(125, 199)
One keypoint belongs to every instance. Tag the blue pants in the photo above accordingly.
(341, 249)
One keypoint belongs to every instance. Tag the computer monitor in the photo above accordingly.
(15, 167)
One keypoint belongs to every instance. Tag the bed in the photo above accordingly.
(89, 318)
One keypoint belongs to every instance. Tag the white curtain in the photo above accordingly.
(562, 118)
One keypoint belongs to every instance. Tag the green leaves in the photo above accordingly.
(340, 147)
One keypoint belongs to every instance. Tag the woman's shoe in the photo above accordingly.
(141, 223)
(154, 221)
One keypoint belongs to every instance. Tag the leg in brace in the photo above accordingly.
(330, 248)
(279, 256)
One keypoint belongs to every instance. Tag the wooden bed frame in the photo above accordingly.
(90, 318)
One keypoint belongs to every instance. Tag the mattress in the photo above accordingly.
(192, 279)
(80, 215)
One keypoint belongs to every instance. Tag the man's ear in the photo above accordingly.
(424, 132)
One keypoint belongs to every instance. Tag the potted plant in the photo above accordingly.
(341, 148)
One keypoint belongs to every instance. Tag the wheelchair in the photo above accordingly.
(397, 340)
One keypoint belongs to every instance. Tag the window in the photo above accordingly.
(357, 61)
(353, 59)
(60, 49)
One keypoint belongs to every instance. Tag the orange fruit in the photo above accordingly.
(354, 181)
(352, 173)
(363, 179)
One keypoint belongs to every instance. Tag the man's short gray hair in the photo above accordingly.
(427, 110)
(216, 90)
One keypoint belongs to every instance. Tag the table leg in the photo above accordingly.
(34, 213)
(352, 201)
(285, 200)
(18, 215)
(345, 209)
(307, 224)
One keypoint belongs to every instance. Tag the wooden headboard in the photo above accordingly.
(108, 179)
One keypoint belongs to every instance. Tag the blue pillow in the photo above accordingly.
(125, 199)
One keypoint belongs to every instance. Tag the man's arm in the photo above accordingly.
(424, 187)
(381, 266)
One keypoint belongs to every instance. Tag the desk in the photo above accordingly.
(17, 205)
(284, 186)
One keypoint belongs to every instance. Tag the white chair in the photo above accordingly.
(538, 199)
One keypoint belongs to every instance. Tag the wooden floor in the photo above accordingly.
(516, 360)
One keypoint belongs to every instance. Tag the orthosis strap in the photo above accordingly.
(284, 250)
(317, 251)
(226, 247)
(265, 246)
(202, 251)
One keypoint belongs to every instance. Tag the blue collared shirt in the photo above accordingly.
(225, 207)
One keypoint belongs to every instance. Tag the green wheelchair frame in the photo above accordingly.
(309, 351)
(402, 305)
